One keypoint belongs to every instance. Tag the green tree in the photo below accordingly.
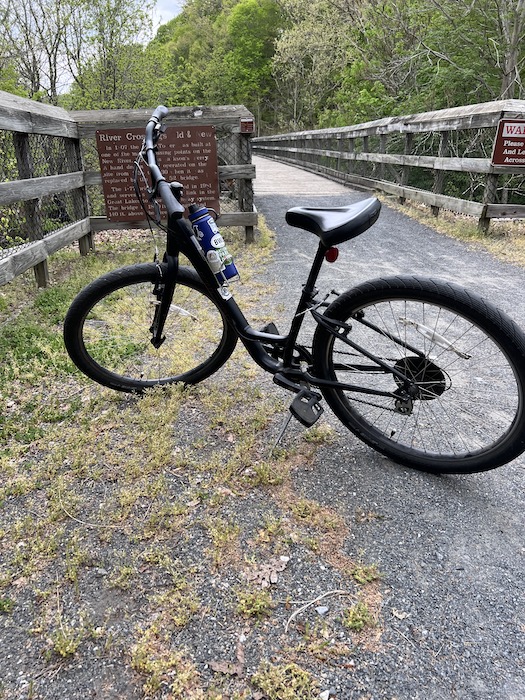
(35, 33)
(106, 55)
(310, 57)
(219, 52)
(246, 70)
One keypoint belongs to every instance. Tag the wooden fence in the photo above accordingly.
(49, 176)
(442, 158)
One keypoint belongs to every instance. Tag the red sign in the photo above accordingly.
(509, 146)
(185, 154)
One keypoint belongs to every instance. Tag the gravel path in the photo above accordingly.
(450, 548)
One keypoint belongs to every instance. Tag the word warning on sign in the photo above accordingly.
(509, 145)
(185, 154)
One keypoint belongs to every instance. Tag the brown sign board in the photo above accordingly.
(185, 154)
(247, 125)
(509, 145)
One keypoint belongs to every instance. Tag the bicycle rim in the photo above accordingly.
(466, 409)
(112, 340)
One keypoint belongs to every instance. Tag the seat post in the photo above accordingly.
(314, 270)
(304, 301)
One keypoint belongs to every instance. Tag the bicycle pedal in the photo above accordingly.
(306, 407)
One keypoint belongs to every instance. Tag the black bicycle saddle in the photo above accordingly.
(336, 224)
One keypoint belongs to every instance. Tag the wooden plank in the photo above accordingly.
(429, 198)
(477, 116)
(237, 172)
(28, 256)
(473, 165)
(223, 117)
(21, 260)
(67, 235)
(505, 211)
(36, 187)
(100, 223)
(27, 116)
(240, 218)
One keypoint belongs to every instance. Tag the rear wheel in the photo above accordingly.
(453, 374)
(107, 334)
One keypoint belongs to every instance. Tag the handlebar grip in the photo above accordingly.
(160, 113)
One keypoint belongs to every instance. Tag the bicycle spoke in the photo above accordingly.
(454, 372)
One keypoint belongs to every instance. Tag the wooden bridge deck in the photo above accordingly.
(273, 177)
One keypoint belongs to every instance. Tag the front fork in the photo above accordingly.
(163, 291)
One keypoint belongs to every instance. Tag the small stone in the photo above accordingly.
(322, 610)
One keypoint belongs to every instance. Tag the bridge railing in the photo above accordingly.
(442, 158)
(50, 180)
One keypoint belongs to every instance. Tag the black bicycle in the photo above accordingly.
(422, 370)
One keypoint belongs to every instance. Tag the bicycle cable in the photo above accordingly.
(138, 172)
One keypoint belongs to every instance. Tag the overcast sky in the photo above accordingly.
(166, 10)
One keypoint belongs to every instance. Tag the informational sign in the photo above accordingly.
(247, 125)
(509, 146)
(185, 154)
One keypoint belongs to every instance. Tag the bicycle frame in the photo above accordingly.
(286, 368)
(287, 371)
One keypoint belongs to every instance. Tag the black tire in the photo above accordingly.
(106, 330)
(466, 413)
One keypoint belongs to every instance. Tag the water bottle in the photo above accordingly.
(212, 243)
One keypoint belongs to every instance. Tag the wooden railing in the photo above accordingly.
(442, 158)
(30, 127)
(46, 190)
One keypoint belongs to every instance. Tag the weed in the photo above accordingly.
(357, 617)
(76, 557)
(315, 515)
(179, 604)
(265, 474)
(320, 434)
(152, 657)
(224, 536)
(122, 577)
(365, 574)
(254, 603)
(66, 639)
(91, 468)
(285, 682)
(320, 643)
(6, 605)
(272, 529)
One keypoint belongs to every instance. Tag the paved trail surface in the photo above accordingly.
(451, 548)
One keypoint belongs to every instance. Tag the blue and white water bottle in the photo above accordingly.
(212, 243)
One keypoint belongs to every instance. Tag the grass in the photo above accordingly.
(504, 239)
(127, 524)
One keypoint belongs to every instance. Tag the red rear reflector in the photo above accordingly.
(331, 254)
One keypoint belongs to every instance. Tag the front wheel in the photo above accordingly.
(451, 374)
(107, 330)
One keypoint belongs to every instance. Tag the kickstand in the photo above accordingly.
(285, 424)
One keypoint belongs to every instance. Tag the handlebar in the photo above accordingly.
(158, 181)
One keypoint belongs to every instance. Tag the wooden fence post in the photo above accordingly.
(439, 175)
(382, 149)
(246, 187)
(490, 196)
(405, 169)
(80, 198)
(31, 206)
